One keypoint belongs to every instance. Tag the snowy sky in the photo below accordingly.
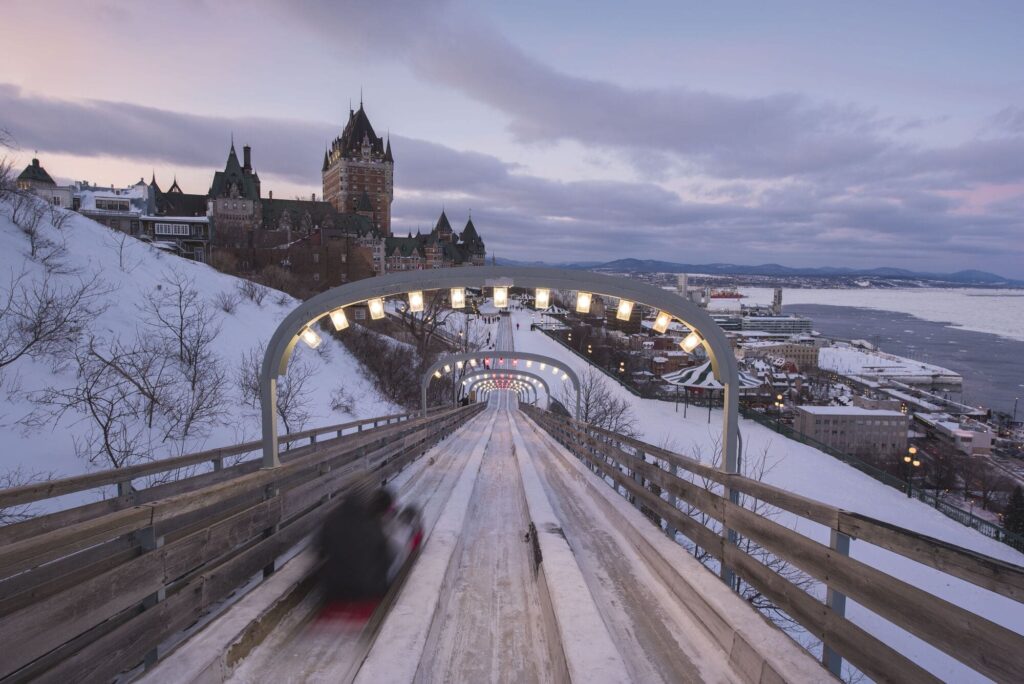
(858, 134)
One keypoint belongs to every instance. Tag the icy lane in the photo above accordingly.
(656, 635)
(301, 650)
(489, 625)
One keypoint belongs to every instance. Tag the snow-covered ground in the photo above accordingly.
(999, 312)
(807, 471)
(130, 276)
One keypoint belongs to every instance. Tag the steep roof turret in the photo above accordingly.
(35, 172)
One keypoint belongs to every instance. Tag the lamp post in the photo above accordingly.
(778, 412)
(910, 463)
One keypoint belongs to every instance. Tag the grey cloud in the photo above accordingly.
(799, 222)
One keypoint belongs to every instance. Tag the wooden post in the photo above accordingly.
(833, 662)
(218, 464)
(150, 542)
(269, 493)
(125, 489)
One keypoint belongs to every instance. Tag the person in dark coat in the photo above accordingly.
(355, 548)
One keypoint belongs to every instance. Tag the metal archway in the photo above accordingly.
(453, 360)
(519, 387)
(482, 376)
(282, 342)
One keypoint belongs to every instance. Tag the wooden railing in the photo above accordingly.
(87, 595)
(644, 471)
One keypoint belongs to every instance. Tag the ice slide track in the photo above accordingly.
(302, 651)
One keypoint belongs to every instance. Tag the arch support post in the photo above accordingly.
(268, 407)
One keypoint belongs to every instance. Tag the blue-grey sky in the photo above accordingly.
(853, 134)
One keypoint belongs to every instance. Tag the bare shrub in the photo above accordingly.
(121, 246)
(341, 400)
(276, 278)
(227, 301)
(252, 291)
(393, 368)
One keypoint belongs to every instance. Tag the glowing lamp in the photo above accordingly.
(912, 450)
(691, 342)
(625, 310)
(916, 463)
(458, 364)
(416, 301)
(458, 297)
(565, 376)
(583, 300)
(529, 364)
(906, 459)
(376, 308)
(310, 337)
(501, 297)
(472, 362)
(447, 368)
(542, 300)
(662, 321)
(339, 319)
(543, 366)
(554, 371)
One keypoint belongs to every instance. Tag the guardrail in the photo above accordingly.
(645, 472)
(95, 595)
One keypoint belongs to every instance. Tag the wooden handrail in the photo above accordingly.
(979, 643)
(49, 489)
(982, 570)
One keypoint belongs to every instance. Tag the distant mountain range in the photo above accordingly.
(968, 277)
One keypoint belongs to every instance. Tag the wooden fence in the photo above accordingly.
(645, 471)
(92, 591)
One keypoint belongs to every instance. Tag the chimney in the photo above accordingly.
(313, 197)
(35, 163)
(245, 156)
(271, 194)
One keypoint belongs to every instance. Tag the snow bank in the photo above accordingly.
(130, 274)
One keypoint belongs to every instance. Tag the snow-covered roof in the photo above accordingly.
(849, 411)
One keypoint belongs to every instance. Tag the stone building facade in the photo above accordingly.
(358, 172)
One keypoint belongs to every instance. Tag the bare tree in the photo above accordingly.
(424, 327)
(40, 317)
(7, 179)
(176, 314)
(598, 404)
(121, 244)
(293, 401)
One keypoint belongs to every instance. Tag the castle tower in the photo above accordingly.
(358, 167)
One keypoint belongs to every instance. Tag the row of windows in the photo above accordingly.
(172, 229)
(112, 205)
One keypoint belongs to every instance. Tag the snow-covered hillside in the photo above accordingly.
(812, 473)
(132, 274)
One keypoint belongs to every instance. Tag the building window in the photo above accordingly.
(172, 229)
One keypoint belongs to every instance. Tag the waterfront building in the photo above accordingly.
(791, 325)
(854, 430)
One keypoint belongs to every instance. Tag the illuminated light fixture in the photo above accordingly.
(625, 310)
(542, 300)
(472, 362)
(662, 321)
(529, 364)
(583, 300)
(458, 297)
(565, 376)
(458, 364)
(437, 374)
(339, 319)
(554, 370)
(310, 337)
(464, 382)
(416, 301)
(447, 368)
(376, 308)
(501, 297)
(691, 342)
(543, 366)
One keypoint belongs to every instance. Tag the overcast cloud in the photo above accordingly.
(686, 173)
